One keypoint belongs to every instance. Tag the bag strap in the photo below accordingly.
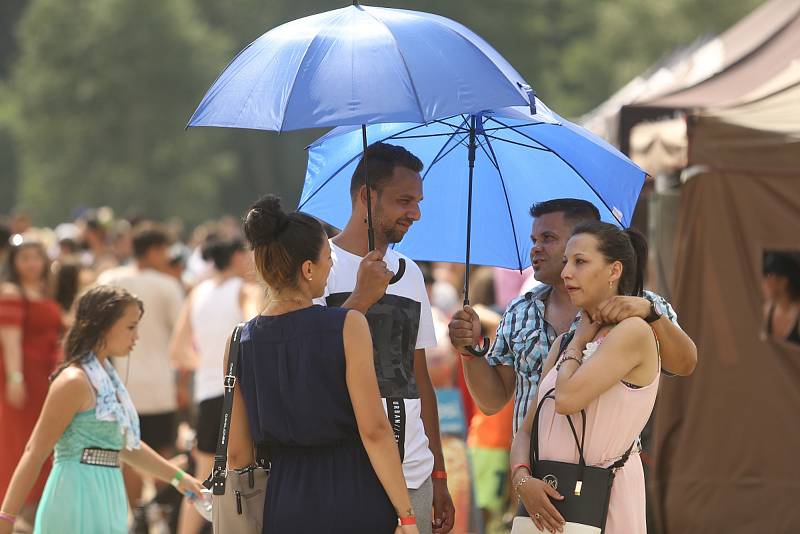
(217, 478)
(534, 452)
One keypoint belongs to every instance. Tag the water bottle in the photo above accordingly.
(202, 503)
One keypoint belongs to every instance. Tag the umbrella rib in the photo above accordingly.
(423, 136)
(512, 127)
(440, 156)
(517, 143)
(568, 164)
(496, 164)
(348, 162)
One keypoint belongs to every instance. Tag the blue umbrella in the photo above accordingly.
(359, 65)
(507, 160)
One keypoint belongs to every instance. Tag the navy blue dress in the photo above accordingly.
(292, 379)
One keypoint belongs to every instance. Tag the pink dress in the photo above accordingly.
(613, 421)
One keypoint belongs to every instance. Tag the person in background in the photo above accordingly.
(209, 315)
(121, 238)
(489, 443)
(30, 328)
(781, 289)
(443, 369)
(88, 420)
(150, 377)
(307, 389)
(5, 245)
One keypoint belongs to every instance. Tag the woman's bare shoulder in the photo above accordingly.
(9, 290)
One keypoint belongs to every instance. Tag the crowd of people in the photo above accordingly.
(113, 336)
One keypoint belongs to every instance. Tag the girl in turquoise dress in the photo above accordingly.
(90, 424)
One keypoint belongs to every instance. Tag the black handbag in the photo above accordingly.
(586, 489)
(238, 494)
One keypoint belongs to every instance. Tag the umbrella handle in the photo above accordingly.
(481, 351)
(401, 269)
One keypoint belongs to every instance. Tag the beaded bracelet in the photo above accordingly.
(558, 367)
(5, 516)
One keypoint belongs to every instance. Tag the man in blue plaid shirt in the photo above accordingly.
(532, 321)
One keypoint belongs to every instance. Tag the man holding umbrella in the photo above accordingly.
(532, 321)
(400, 320)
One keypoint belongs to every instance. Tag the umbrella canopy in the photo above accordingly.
(520, 159)
(360, 65)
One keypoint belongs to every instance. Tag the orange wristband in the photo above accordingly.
(408, 520)
(439, 473)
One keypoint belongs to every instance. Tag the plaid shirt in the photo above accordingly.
(524, 338)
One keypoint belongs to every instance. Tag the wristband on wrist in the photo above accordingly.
(5, 516)
(439, 473)
(520, 466)
(408, 520)
(15, 377)
(177, 477)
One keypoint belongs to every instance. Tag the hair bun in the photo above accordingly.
(265, 220)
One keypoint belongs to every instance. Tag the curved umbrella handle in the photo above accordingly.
(401, 270)
(481, 351)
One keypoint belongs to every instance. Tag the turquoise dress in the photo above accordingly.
(81, 498)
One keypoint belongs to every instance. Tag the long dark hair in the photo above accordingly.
(281, 242)
(11, 269)
(97, 311)
(628, 247)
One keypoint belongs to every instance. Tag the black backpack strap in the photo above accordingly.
(216, 481)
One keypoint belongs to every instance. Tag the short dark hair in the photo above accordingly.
(281, 241)
(574, 209)
(146, 237)
(783, 265)
(382, 158)
(221, 251)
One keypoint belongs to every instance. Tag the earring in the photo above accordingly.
(610, 285)
(310, 278)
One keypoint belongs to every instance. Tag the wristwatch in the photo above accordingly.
(654, 314)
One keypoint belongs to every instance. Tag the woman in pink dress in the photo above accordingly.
(611, 371)
(30, 328)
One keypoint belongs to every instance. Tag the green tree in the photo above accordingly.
(104, 89)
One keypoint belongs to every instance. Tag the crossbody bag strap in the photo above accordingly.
(534, 452)
(217, 478)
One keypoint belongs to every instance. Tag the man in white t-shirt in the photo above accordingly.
(400, 321)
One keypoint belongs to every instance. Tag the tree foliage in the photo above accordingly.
(101, 90)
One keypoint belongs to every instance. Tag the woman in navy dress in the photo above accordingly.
(307, 389)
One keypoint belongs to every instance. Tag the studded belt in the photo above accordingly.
(101, 457)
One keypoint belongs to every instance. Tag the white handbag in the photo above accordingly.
(525, 525)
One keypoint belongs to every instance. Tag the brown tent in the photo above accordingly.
(725, 440)
(725, 447)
